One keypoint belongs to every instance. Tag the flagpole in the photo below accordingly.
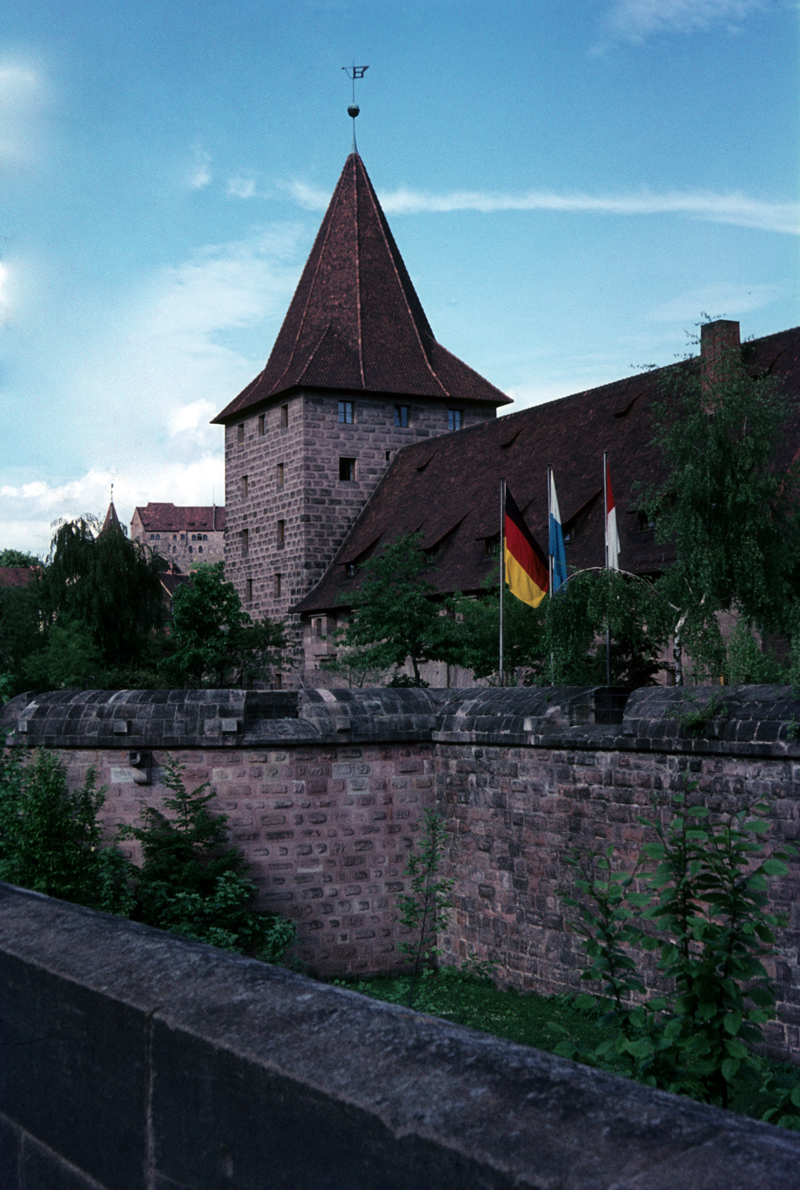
(549, 543)
(605, 522)
(502, 566)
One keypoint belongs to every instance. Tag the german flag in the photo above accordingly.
(526, 566)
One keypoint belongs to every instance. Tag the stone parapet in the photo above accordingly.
(135, 1060)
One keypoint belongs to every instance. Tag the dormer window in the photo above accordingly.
(345, 413)
(454, 419)
(401, 415)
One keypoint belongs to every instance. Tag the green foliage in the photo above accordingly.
(394, 616)
(9, 557)
(704, 910)
(193, 882)
(50, 838)
(213, 640)
(425, 909)
(696, 720)
(730, 514)
(20, 633)
(563, 640)
(746, 662)
(108, 584)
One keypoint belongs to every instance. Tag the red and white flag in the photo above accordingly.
(612, 536)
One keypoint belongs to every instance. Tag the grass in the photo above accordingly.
(524, 1017)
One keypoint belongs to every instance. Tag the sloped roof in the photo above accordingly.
(111, 521)
(355, 321)
(18, 576)
(448, 488)
(169, 518)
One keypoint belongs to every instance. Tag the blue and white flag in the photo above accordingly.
(557, 553)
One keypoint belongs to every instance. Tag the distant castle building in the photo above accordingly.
(185, 536)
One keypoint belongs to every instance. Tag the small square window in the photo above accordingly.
(401, 415)
(281, 532)
(262, 424)
(388, 456)
(284, 416)
(279, 475)
(244, 487)
(346, 413)
(350, 569)
(276, 586)
(245, 540)
(277, 681)
(319, 627)
(240, 433)
(644, 522)
(454, 419)
(347, 470)
(248, 590)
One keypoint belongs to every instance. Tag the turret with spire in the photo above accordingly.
(355, 374)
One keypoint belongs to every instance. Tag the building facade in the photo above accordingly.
(185, 536)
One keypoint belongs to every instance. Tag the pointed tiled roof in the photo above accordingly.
(112, 520)
(355, 321)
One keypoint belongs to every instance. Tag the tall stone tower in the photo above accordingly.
(354, 376)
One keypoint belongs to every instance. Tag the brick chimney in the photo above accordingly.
(720, 349)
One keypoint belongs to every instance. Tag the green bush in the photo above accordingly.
(193, 883)
(703, 909)
(50, 837)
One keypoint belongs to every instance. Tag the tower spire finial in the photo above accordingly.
(354, 72)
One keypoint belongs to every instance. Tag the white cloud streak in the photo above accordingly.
(637, 20)
(735, 208)
(200, 176)
(22, 96)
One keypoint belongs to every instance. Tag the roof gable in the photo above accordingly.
(355, 321)
(169, 518)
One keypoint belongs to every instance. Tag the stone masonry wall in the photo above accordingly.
(326, 830)
(326, 800)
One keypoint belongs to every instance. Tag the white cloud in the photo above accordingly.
(28, 511)
(719, 300)
(736, 208)
(22, 95)
(242, 187)
(200, 176)
(636, 20)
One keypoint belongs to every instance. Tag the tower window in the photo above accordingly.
(279, 475)
(245, 540)
(276, 586)
(281, 533)
(248, 590)
(454, 419)
(284, 416)
(401, 415)
(262, 424)
(346, 413)
(347, 470)
(240, 433)
(244, 487)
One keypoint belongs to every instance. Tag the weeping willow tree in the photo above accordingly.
(101, 604)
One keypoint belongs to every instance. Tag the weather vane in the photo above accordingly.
(354, 72)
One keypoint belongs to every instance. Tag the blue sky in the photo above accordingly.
(572, 184)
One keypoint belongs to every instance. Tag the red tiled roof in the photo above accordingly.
(112, 520)
(18, 576)
(167, 518)
(449, 488)
(355, 321)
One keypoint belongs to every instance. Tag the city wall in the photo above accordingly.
(325, 791)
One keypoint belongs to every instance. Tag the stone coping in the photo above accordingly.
(741, 720)
(147, 1060)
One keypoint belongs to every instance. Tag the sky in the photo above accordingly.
(573, 184)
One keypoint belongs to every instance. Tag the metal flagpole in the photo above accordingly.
(605, 519)
(502, 566)
(549, 515)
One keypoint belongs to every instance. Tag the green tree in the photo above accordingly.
(394, 615)
(110, 587)
(21, 633)
(9, 557)
(731, 514)
(213, 641)
(193, 882)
